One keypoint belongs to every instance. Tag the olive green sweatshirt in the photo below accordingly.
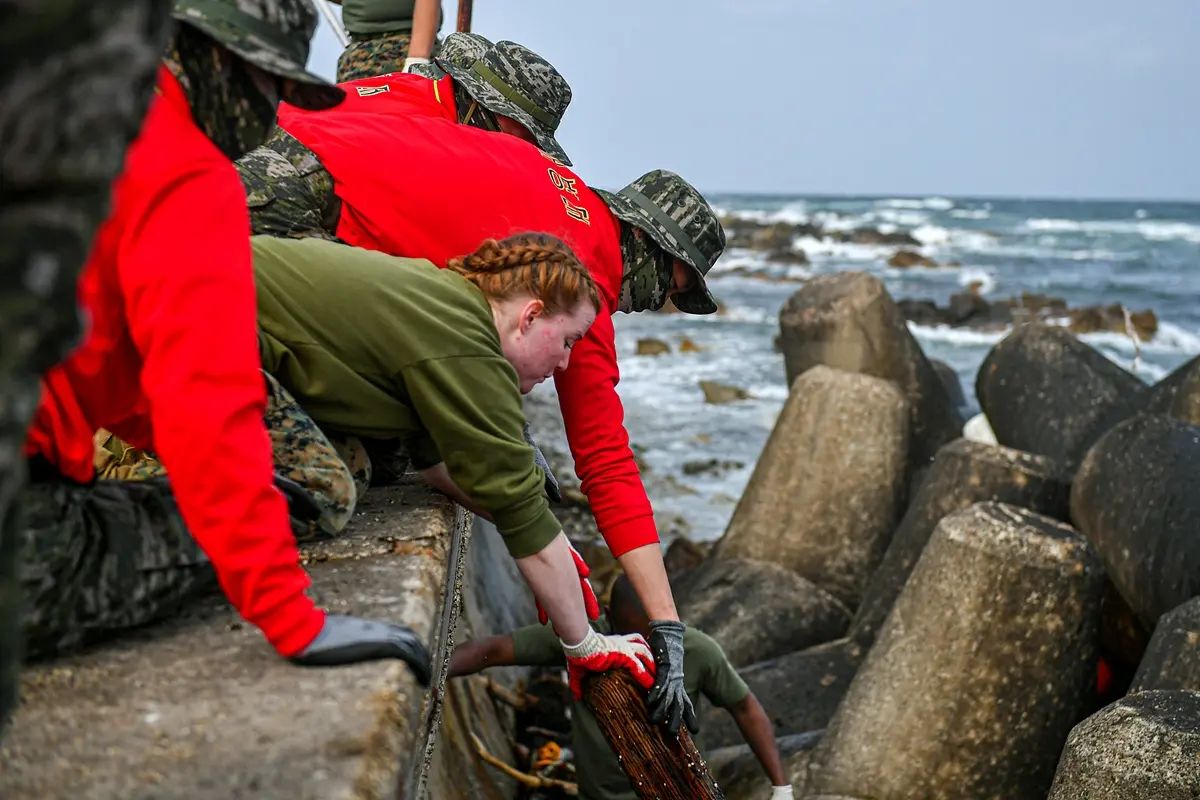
(395, 348)
(379, 16)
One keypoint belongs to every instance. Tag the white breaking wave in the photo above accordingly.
(1170, 339)
(1155, 230)
(971, 213)
(795, 213)
(932, 203)
(937, 236)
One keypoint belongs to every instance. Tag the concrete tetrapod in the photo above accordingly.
(828, 487)
(979, 671)
(799, 691)
(849, 321)
(1145, 746)
(1172, 659)
(1178, 394)
(963, 473)
(1046, 392)
(757, 610)
(1135, 499)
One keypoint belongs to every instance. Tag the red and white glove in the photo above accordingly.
(590, 604)
(600, 653)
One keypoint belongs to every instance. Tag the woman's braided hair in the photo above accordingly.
(535, 263)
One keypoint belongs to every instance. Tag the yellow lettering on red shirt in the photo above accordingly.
(367, 91)
(563, 184)
(576, 212)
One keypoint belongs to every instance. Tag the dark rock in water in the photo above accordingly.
(1112, 318)
(978, 673)
(906, 259)
(1143, 747)
(1172, 659)
(715, 466)
(740, 774)
(652, 347)
(827, 489)
(968, 306)
(1178, 394)
(963, 473)
(848, 321)
(950, 381)
(756, 610)
(1046, 392)
(1135, 498)
(969, 309)
(873, 236)
(799, 691)
(718, 393)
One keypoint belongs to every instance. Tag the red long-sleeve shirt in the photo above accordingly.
(422, 186)
(170, 363)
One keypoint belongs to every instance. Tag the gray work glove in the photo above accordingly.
(350, 640)
(552, 490)
(669, 703)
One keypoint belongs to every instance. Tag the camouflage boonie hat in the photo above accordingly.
(461, 47)
(273, 35)
(514, 81)
(680, 221)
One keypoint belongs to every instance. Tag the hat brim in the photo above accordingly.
(491, 99)
(309, 92)
(698, 299)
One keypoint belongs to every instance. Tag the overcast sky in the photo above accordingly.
(960, 97)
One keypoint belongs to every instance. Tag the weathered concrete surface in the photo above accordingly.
(828, 487)
(741, 777)
(963, 473)
(1046, 392)
(1135, 498)
(799, 691)
(979, 671)
(1145, 746)
(1172, 659)
(199, 706)
(848, 321)
(757, 610)
(1177, 395)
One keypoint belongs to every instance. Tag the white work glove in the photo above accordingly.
(413, 61)
(781, 793)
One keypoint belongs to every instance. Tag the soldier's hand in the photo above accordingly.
(350, 640)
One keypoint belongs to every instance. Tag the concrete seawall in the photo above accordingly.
(199, 706)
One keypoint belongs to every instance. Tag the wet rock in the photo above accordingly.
(712, 466)
(969, 309)
(799, 691)
(952, 384)
(848, 321)
(683, 555)
(1178, 394)
(1143, 747)
(980, 670)
(1136, 500)
(688, 346)
(652, 347)
(962, 474)
(1046, 392)
(906, 259)
(741, 776)
(757, 610)
(828, 487)
(1172, 659)
(874, 236)
(718, 393)
(1112, 319)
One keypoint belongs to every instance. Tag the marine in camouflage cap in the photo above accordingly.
(273, 35)
(516, 82)
(679, 223)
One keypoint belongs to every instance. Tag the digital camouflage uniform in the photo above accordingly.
(371, 54)
(75, 80)
(114, 554)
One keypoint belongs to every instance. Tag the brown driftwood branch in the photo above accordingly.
(523, 778)
(518, 700)
(659, 766)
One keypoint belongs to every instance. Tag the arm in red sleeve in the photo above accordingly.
(594, 419)
(188, 286)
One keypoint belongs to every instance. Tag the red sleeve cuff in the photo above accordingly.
(630, 534)
(291, 627)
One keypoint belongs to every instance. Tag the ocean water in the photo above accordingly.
(1141, 254)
